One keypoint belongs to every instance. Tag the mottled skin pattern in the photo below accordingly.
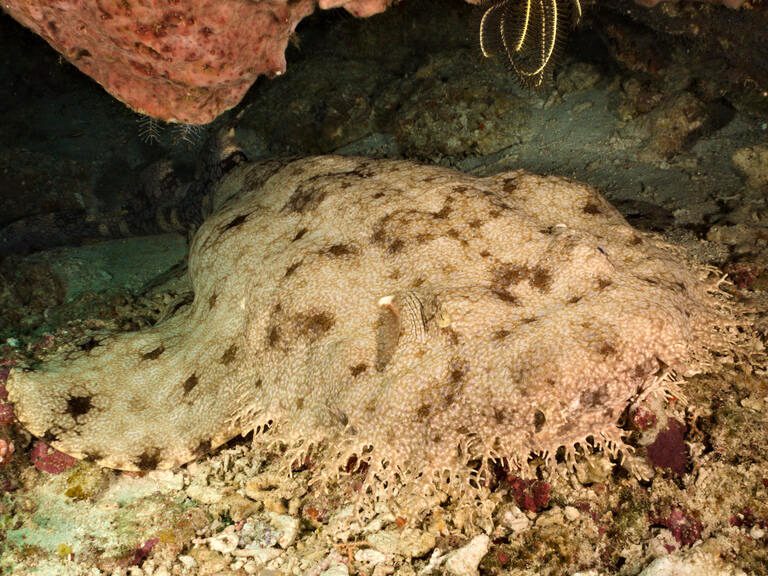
(411, 315)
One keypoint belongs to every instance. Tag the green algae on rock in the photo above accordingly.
(413, 317)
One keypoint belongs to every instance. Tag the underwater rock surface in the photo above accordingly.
(184, 61)
(412, 317)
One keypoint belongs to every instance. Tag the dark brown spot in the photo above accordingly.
(273, 336)
(635, 240)
(291, 269)
(453, 336)
(505, 296)
(436, 438)
(456, 377)
(379, 236)
(316, 325)
(462, 430)
(594, 398)
(475, 224)
(358, 369)
(79, 406)
(370, 406)
(299, 235)
(149, 459)
(422, 413)
(235, 222)
(500, 334)
(229, 355)
(574, 299)
(539, 420)
(378, 195)
(541, 279)
(603, 283)
(189, 384)
(305, 198)
(506, 274)
(498, 415)
(453, 233)
(591, 208)
(457, 373)
(153, 354)
(606, 349)
(212, 300)
(341, 250)
(484, 253)
(681, 286)
(395, 246)
(528, 319)
(444, 211)
(299, 403)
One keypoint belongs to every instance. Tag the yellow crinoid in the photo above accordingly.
(529, 32)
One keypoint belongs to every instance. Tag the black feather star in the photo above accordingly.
(530, 33)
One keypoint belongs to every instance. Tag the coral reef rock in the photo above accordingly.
(184, 61)
(411, 317)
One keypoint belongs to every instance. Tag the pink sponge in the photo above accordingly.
(177, 60)
(359, 8)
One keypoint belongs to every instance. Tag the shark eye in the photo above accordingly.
(530, 33)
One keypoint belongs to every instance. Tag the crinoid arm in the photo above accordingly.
(529, 33)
